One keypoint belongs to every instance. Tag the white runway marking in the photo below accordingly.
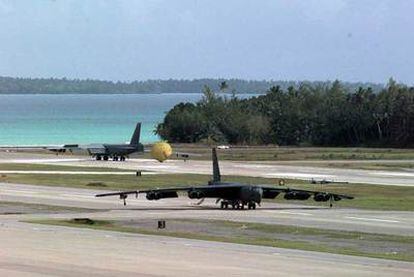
(295, 213)
(372, 219)
(299, 175)
(398, 174)
(78, 196)
(12, 191)
(286, 212)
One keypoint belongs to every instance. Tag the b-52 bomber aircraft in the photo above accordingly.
(98, 151)
(117, 151)
(236, 195)
(160, 151)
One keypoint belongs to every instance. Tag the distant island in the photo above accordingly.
(11, 85)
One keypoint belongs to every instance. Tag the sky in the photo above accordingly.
(349, 40)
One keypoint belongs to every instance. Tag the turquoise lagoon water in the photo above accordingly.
(73, 118)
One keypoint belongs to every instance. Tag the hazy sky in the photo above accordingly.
(136, 40)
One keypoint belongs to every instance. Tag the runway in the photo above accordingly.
(39, 250)
(386, 222)
(254, 169)
(68, 172)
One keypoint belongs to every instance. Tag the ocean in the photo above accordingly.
(46, 119)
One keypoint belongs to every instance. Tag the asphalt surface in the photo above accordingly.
(387, 222)
(39, 250)
(254, 169)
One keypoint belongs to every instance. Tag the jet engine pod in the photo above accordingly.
(194, 194)
(161, 151)
(152, 195)
(321, 197)
(297, 195)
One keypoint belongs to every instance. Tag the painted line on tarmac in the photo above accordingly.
(296, 213)
(393, 174)
(372, 219)
(77, 196)
(14, 192)
(286, 212)
(300, 175)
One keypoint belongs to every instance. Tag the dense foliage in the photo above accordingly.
(304, 115)
(58, 86)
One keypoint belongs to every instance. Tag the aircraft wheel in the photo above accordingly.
(115, 158)
(98, 158)
(122, 158)
(105, 158)
(224, 205)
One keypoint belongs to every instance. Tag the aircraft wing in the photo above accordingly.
(300, 194)
(218, 191)
(194, 192)
(168, 190)
(54, 148)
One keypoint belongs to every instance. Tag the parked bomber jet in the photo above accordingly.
(117, 151)
(99, 151)
(236, 195)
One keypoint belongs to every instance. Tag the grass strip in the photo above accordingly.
(241, 238)
(374, 197)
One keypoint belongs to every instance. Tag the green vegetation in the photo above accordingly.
(366, 196)
(9, 207)
(325, 115)
(391, 166)
(286, 153)
(61, 86)
(311, 239)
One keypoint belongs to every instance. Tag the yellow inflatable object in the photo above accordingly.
(161, 151)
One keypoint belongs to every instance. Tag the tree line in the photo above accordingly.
(308, 114)
(9, 85)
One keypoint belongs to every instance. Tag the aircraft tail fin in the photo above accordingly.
(136, 136)
(216, 168)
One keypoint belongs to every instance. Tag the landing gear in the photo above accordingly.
(224, 204)
(251, 206)
(237, 205)
(105, 158)
(98, 158)
(118, 158)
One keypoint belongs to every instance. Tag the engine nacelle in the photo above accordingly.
(194, 194)
(321, 197)
(297, 195)
(152, 195)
